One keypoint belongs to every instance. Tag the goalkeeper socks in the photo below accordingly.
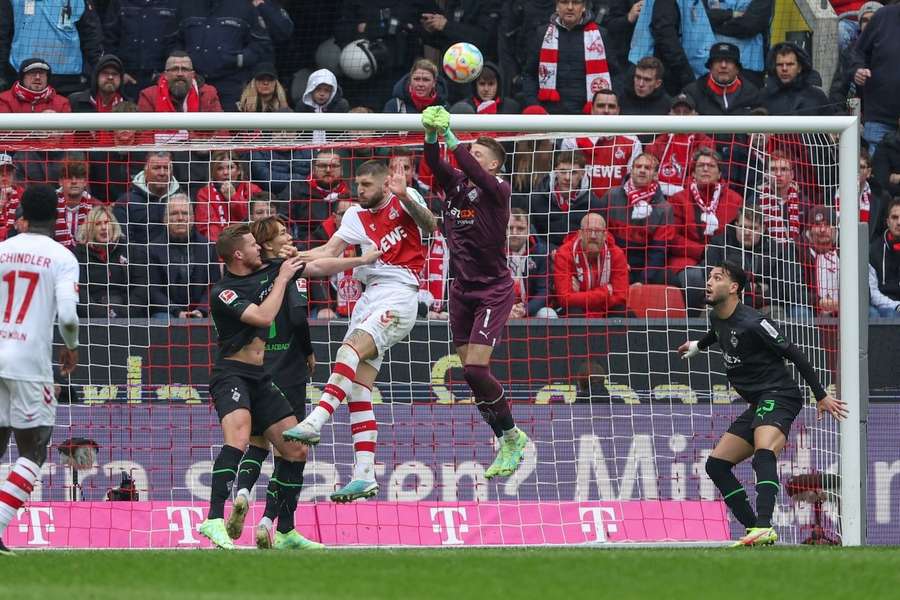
(364, 430)
(271, 510)
(765, 465)
(251, 465)
(224, 472)
(735, 496)
(489, 398)
(16, 489)
(290, 479)
(339, 386)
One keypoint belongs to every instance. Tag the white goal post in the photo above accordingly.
(853, 317)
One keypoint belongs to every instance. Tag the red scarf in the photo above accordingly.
(434, 274)
(332, 194)
(422, 102)
(893, 242)
(486, 107)
(773, 213)
(637, 195)
(101, 250)
(591, 274)
(563, 201)
(105, 108)
(865, 200)
(708, 207)
(596, 70)
(164, 101)
(26, 95)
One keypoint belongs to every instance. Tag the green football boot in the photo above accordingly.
(292, 540)
(356, 489)
(214, 530)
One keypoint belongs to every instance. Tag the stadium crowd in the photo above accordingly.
(595, 221)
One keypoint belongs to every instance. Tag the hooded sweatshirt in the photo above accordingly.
(87, 100)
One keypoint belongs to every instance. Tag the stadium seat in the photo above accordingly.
(650, 301)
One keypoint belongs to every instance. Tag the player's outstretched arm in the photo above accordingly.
(262, 315)
(333, 247)
(414, 206)
(324, 267)
(435, 122)
(691, 349)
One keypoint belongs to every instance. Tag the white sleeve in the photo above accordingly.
(568, 144)
(351, 229)
(876, 298)
(67, 301)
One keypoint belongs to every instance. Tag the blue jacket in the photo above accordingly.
(141, 33)
(749, 32)
(276, 169)
(656, 33)
(278, 21)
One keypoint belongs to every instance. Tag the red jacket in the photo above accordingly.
(213, 213)
(689, 242)
(9, 103)
(592, 287)
(209, 99)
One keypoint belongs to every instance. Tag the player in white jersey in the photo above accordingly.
(392, 218)
(38, 283)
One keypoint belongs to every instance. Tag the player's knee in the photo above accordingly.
(717, 467)
(764, 459)
(294, 452)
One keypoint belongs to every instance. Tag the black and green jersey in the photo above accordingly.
(754, 349)
(288, 339)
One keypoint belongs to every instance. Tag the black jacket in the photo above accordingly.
(110, 174)
(887, 161)
(886, 263)
(549, 221)
(665, 26)
(615, 21)
(507, 106)
(877, 49)
(518, 21)
(181, 273)
(141, 33)
(103, 289)
(81, 101)
(801, 96)
(401, 101)
(142, 213)
(473, 21)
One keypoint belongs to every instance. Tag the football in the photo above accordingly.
(463, 62)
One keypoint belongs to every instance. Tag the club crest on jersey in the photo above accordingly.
(227, 296)
(372, 226)
(472, 195)
(619, 154)
(393, 214)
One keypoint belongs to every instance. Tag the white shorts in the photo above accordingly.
(386, 312)
(26, 404)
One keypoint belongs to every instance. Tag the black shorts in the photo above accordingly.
(234, 385)
(296, 397)
(775, 409)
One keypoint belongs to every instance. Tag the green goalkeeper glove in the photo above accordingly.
(440, 118)
(431, 131)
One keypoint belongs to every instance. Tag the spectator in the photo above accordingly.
(105, 91)
(75, 202)
(819, 257)
(403, 159)
(608, 157)
(10, 195)
(418, 90)
(462, 21)
(849, 14)
(32, 93)
(618, 25)
(745, 24)
(674, 150)
(178, 90)
(262, 206)
(433, 279)
(274, 169)
(725, 92)
(225, 40)
(142, 34)
(312, 199)
(182, 265)
(562, 198)
(225, 199)
(780, 201)
(873, 64)
(263, 93)
(792, 87)
(886, 162)
(679, 35)
(323, 94)
(775, 283)
(532, 161)
(68, 39)
(278, 21)
(884, 266)
(569, 66)
(486, 94)
(527, 260)
(645, 94)
(640, 221)
(873, 200)
(102, 254)
(142, 208)
(335, 297)
(700, 212)
(590, 272)
(843, 89)
(110, 171)
(518, 21)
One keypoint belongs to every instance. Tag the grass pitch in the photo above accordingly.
(516, 574)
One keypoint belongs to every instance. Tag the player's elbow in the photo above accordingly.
(255, 317)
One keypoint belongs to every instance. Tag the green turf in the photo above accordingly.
(786, 573)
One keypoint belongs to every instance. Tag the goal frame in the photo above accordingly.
(853, 315)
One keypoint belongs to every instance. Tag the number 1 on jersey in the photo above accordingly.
(10, 279)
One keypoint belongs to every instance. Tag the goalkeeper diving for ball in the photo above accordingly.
(475, 219)
(754, 350)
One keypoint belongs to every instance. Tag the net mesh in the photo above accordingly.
(616, 420)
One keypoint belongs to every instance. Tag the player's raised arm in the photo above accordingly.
(436, 122)
(324, 267)
(335, 246)
(412, 202)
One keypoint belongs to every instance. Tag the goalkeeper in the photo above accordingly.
(475, 218)
(754, 350)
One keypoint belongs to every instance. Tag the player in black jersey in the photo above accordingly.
(244, 305)
(754, 350)
(289, 360)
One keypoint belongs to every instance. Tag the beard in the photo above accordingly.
(179, 88)
(374, 201)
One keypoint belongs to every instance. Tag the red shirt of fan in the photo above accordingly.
(608, 159)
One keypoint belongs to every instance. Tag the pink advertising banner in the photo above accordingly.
(174, 524)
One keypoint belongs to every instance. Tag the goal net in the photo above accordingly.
(620, 428)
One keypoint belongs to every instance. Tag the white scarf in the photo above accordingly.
(595, 66)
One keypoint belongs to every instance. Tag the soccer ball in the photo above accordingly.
(463, 62)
